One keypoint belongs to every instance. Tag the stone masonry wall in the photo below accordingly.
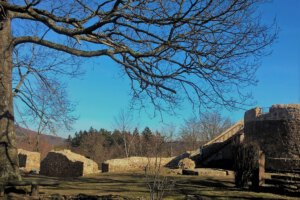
(58, 165)
(133, 164)
(276, 112)
(29, 161)
(65, 163)
(277, 133)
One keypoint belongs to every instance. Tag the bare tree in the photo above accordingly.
(123, 122)
(41, 98)
(200, 129)
(168, 131)
(168, 49)
(51, 109)
(158, 184)
(212, 124)
(190, 133)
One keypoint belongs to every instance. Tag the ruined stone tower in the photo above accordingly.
(277, 132)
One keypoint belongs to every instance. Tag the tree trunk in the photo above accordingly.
(125, 144)
(8, 152)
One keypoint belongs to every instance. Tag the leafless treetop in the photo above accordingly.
(203, 50)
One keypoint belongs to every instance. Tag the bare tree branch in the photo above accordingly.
(205, 51)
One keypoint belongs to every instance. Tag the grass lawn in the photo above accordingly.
(134, 186)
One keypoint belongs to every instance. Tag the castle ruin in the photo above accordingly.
(277, 132)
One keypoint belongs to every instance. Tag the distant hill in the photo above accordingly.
(27, 139)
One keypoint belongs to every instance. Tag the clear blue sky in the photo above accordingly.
(102, 92)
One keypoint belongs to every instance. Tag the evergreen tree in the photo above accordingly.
(136, 132)
(147, 133)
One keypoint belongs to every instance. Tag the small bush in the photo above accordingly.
(245, 163)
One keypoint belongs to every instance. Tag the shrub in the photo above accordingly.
(245, 163)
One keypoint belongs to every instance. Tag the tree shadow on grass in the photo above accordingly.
(207, 197)
(208, 188)
(279, 191)
(211, 189)
(86, 179)
(115, 184)
(207, 183)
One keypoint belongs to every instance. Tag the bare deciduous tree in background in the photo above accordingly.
(123, 122)
(212, 124)
(201, 129)
(191, 134)
(168, 49)
(37, 86)
(168, 132)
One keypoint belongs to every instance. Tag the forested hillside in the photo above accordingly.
(32, 141)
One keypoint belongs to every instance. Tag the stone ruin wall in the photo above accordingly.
(29, 161)
(65, 163)
(60, 166)
(277, 133)
(133, 164)
(276, 112)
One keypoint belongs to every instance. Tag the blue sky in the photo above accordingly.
(102, 92)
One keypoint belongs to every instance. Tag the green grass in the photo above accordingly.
(134, 186)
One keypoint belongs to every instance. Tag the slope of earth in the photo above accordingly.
(31, 141)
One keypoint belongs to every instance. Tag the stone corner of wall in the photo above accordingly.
(252, 114)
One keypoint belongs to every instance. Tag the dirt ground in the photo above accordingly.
(135, 186)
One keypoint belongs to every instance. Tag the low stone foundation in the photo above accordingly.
(133, 164)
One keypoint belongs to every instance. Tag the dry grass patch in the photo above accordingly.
(134, 186)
